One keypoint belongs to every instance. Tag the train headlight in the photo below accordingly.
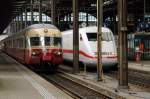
(33, 53)
(58, 53)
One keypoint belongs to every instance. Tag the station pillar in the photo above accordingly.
(75, 37)
(54, 12)
(31, 10)
(40, 11)
(25, 21)
(122, 52)
(18, 23)
(114, 22)
(21, 22)
(99, 37)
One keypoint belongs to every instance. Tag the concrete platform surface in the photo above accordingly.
(109, 86)
(18, 82)
(142, 65)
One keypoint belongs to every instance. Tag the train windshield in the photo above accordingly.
(107, 36)
(57, 41)
(92, 36)
(52, 41)
(35, 41)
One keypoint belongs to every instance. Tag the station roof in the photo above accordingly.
(10, 8)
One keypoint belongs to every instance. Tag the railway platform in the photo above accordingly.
(140, 66)
(109, 86)
(18, 82)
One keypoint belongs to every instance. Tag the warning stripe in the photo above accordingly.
(85, 54)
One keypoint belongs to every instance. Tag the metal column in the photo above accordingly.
(99, 36)
(25, 16)
(144, 9)
(31, 10)
(75, 37)
(18, 24)
(15, 25)
(114, 22)
(122, 28)
(40, 11)
(53, 12)
(87, 19)
(21, 23)
(69, 18)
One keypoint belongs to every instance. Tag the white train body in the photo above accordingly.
(88, 46)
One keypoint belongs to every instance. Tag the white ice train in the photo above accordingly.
(88, 46)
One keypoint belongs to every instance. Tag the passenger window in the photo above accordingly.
(49, 41)
(35, 41)
(57, 41)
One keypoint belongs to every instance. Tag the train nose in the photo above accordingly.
(57, 56)
(46, 56)
(50, 55)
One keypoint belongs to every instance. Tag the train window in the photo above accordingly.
(92, 36)
(35, 41)
(52, 41)
(57, 41)
(49, 41)
(106, 36)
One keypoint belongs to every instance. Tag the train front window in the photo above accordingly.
(35, 41)
(49, 41)
(57, 41)
(107, 36)
(92, 36)
(52, 41)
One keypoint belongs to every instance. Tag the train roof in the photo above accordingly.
(91, 29)
(37, 26)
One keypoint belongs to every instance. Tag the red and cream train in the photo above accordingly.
(37, 44)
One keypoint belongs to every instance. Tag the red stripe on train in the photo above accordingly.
(85, 54)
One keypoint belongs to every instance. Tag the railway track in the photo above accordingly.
(74, 89)
(138, 78)
(81, 90)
